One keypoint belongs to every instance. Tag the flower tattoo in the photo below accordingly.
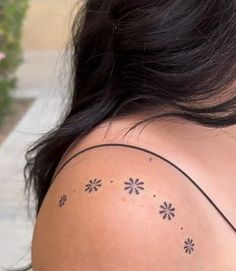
(189, 246)
(62, 200)
(167, 211)
(93, 185)
(134, 186)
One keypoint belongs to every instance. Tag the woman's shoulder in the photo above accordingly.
(114, 207)
(119, 132)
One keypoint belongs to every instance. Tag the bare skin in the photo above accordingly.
(167, 225)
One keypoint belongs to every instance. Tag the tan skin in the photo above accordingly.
(112, 230)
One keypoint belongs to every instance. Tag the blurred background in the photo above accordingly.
(34, 73)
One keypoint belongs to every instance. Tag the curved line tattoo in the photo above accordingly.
(156, 155)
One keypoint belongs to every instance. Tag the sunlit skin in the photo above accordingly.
(114, 227)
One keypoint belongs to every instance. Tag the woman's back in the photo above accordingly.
(116, 207)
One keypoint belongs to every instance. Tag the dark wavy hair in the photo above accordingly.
(140, 56)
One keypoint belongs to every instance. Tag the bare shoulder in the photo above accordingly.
(118, 208)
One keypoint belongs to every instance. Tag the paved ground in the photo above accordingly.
(42, 77)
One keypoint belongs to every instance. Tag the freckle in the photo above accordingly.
(111, 181)
(123, 199)
(181, 228)
(150, 159)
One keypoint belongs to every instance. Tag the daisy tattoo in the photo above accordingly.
(167, 211)
(62, 200)
(134, 186)
(189, 246)
(93, 185)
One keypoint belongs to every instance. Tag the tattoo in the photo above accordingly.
(134, 186)
(167, 211)
(93, 185)
(62, 200)
(189, 246)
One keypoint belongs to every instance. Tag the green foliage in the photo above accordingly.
(12, 13)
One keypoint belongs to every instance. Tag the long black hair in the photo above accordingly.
(135, 56)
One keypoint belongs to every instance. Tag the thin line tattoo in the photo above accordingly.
(156, 155)
(62, 200)
(167, 211)
(134, 186)
(93, 185)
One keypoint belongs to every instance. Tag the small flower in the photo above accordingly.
(93, 185)
(2, 56)
(189, 246)
(167, 211)
(62, 200)
(134, 186)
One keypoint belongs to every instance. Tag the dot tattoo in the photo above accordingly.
(167, 211)
(62, 200)
(189, 246)
(93, 185)
(134, 186)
